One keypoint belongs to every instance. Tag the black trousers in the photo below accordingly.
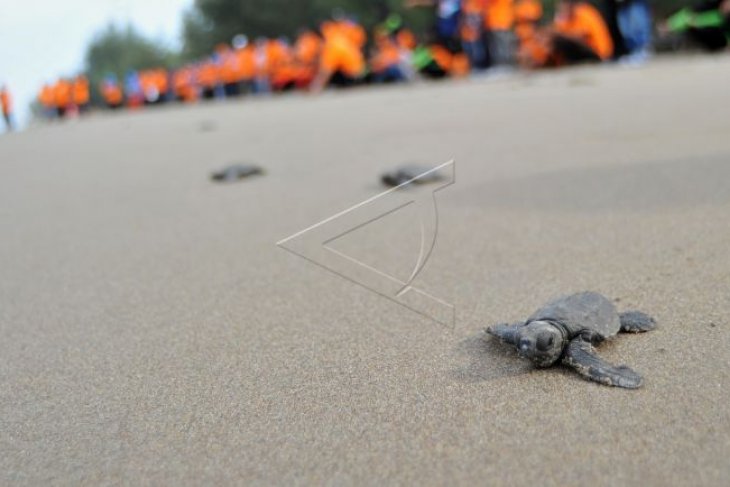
(570, 51)
(710, 38)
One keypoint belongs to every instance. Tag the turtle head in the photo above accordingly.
(542, 342)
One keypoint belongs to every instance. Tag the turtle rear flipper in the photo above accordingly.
(636, 322)
(581, 356)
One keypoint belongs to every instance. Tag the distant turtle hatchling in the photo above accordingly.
(412, 174)
(236, 172)
(566, 329)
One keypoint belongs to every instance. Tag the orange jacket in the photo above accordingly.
(586, 24)
(498, 14)
(340, 52)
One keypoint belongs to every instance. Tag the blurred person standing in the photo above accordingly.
(635, 25)
(112, 92)
(307, 49)
(46, 99)
(262, 67)
(230, 71)
(6, 104)
(81, 95)
(209, 78)
(133, 90)
(500, 40)
(245, 54)
(471, 31)
(532, 51)
(63, 97)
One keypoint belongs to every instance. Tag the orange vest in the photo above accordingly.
(81, 91)
(62, 94)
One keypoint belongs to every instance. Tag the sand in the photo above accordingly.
(154, 334)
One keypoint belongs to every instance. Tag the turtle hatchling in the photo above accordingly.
(566, 329)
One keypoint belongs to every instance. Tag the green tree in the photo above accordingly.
(116, 50)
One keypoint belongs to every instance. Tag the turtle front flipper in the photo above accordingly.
(636, 322)
(505, 332)
(581, 356)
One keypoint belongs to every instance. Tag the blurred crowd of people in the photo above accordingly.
(469, 35)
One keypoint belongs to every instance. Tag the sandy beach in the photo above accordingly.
(154, 334)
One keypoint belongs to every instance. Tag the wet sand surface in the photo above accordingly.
(154, 334)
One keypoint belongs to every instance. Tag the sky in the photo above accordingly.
(43, 39)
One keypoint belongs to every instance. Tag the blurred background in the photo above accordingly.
(132, 52)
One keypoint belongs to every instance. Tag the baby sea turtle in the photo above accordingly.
(236, 172)
(565, 330)
(408, 173)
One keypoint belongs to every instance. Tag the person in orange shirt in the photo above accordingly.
(150, 87)
(46, 99)
(306, 54)
(81, 94)
(209, 78)
(532, 50)
(500, 39)
(112, 92)
(282, 69)
(184, 86)
(62, 96)
(6, 105)
(229, 70)
(579, 34)
(386, 59)
(342, 62)
(162, 82)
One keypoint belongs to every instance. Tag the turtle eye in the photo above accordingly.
(545, 341)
